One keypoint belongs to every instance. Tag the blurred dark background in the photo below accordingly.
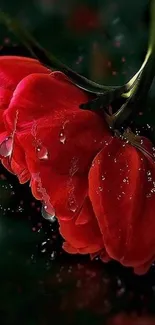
(106, 41)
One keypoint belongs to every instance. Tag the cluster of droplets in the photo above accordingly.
(6, 209)
(48, 210)
(62, 134)
(152, 184)
(153, 151)
(72, 202)
(41, 151)
(126, 180)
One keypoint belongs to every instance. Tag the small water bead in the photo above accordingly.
(43, 250)
(137, 132)
(6, 147)
(42, 153)
(149, 176)
(100, 188)
(103, 177)
(48, 213)
(62, 137)
(126, 180)
(53, 256)
(20, 209)
(72, 205)
(43, 243)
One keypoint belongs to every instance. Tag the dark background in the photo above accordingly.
(39, 284)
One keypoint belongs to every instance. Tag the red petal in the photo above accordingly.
(66, 195)
(14, 68)
(16, 163)
(48, 106)
(69, 249)
(122, 196)
(84, 237)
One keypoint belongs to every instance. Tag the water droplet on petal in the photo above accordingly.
(72, 205)
(48, 213)
(42, 153)
(6, 147)
(62, 137)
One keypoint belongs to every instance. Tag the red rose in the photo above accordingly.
(101, 188)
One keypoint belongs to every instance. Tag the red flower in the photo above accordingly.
(101, 189)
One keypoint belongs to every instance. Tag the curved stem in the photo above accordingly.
(138, 93)
(138, 97)
(152, 27)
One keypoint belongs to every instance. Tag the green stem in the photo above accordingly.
(138, 98)
(50, 60)
(151, 50)
(151, 46)
(138, 93)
